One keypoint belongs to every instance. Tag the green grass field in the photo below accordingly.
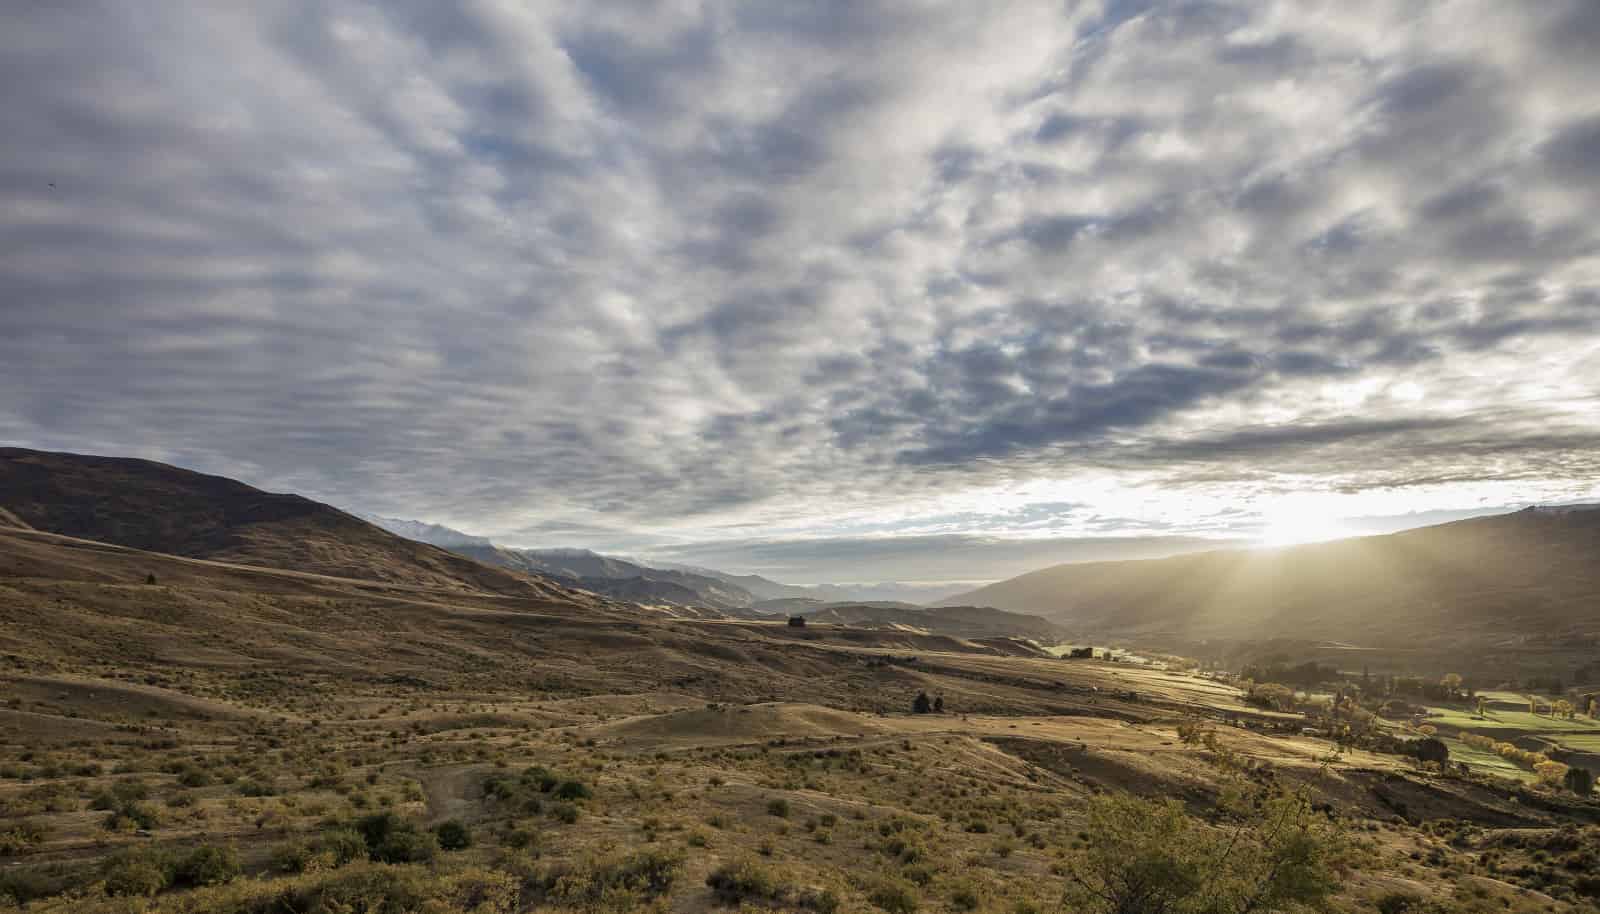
(1487, 762)
(1518, 721)
(1580, 742)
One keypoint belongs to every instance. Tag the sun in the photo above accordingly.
(1292, 528)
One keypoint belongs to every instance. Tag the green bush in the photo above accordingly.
(195, 777)
(964, 895)
(894, 896)
(453, 836)
(541, 778)
(406, 845)
(643, 875)
(572, 790)
(19, 838)
(391, 839)
(137, 872)
(343, 845)
(778, 807)
(208, 865)
(21, 885)
(745, 880)
(129, 816)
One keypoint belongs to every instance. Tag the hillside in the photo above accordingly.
(1533, 574)
(955, 621)
(613, 577)
(152, 506)
(163, 710)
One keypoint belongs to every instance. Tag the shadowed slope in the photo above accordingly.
(1531, 573)
(161, 508)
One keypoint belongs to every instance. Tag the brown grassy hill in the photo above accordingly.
(152, 506)
(1530, 574)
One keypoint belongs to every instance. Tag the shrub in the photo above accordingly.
(408, 844)
(778, 807)
(137, 872)
(453, 836)
(964, 895)
(1397, 903)
(343, 845)
(823, 901)
(540, 778)
(133, 815)
(745, 880)
(566, 813)
(643, 875)
(894, 896)
(391, 839)
(22, 837)
(208, 865)
(195, 777)
(572, 790)
(19, 886)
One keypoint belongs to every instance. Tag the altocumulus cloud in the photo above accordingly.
(682, 271)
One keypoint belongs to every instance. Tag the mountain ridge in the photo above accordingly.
(1481, 579)
(157, 507)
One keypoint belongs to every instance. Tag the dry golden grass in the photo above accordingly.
(603, 758)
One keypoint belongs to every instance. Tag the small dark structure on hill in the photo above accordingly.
(1081, 653)
(797, 621)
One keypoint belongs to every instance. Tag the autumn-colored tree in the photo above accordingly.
(1562, 708)
(1550, 772)
(1452, 685)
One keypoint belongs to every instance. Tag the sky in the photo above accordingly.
(789, 286)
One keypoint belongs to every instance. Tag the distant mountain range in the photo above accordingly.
(165, 509)
(1531, 576)
(670, 584)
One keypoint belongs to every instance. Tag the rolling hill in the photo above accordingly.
(956, 621)
(1533, 574)
(160, 508)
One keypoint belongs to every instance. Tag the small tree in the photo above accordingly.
(1579, 780)
(452, 835)
(1551, 772)
(1431, 750)
(797, 621)
(922, 704)
(150, 578)
(1452, 685)
(938, 704)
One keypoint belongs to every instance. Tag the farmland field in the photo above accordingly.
(1510, 721)
(1487, 762)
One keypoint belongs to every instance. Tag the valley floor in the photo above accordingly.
(599, 759)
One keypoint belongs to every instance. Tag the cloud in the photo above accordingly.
(662, 274)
